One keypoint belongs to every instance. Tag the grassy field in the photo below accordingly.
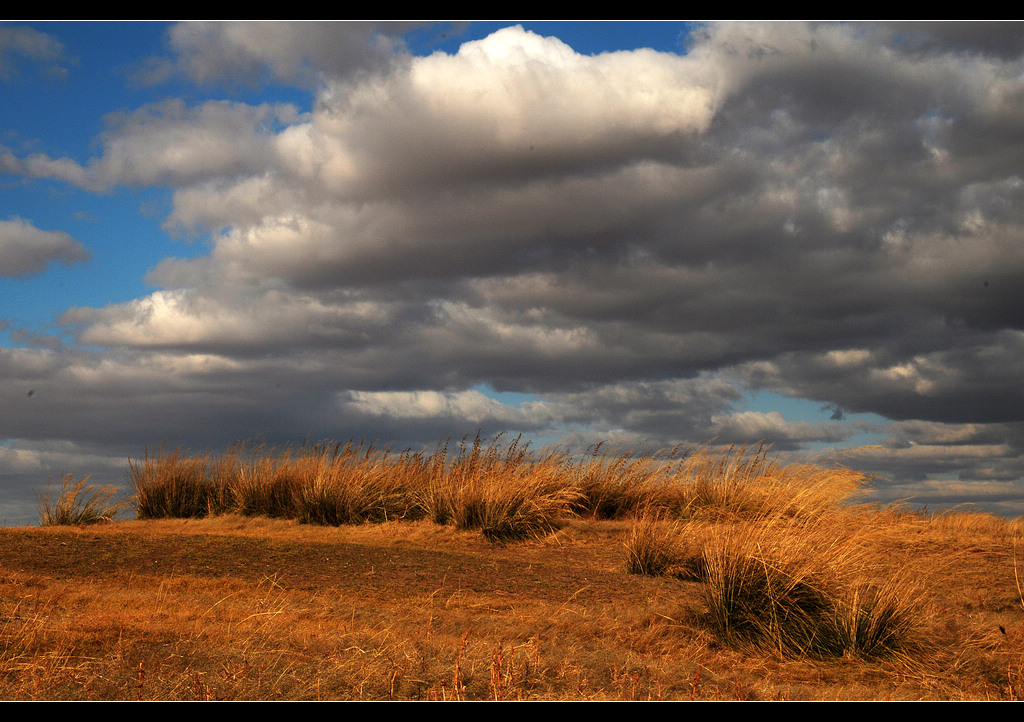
(490, 572)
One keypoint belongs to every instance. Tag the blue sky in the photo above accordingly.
(640, 233)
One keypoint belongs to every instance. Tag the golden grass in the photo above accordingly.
(802, 589)
(505, 490)
(351, 572)
(79, 502)
(257, 608)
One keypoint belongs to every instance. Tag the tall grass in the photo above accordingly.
(741, 484)
(659, 546)
(502, 488)
(175, 485)
(353, 485)
(78, 503)
(653, 546)
(712, 484)
(503, 491)
(617, 486)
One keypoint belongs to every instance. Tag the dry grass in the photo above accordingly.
(256, 608)
(79, 502)
(801, 589)
(505, 493)
(795, 586)
(739, 484)
(351, 572)
(505, 490)
(171, 484)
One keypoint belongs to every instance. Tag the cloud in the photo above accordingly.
(1001, 40)
(1004, 498)
(828, 211)
(18, 43)
(169, 144)
(774, 429)
(283, 52)
(782, 194)
(25, 249)
(973, 382)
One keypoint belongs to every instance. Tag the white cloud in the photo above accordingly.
(462, 406)
(772, 427)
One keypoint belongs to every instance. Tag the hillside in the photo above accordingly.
(235, 607)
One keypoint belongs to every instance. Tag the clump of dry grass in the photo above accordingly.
(660, 546)
(882, 619)
(79, 502)
(652, 547)
(501, 490)
(266, 487)
(354, 485)
(530, 508)
(786, 568)
(618, 486)
(803, 589)
(739, 484)
(712, 484)
(176, 485)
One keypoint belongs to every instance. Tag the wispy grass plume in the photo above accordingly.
(79, 502)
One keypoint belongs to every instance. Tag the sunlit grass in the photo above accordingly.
(795, 586)
(766, 561)
(503, 488)
(804, 589)
(78, 503)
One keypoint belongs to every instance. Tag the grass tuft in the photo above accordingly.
(801, 589)
(171, 485)
(501, 490)
(79, 503)
(652, 547)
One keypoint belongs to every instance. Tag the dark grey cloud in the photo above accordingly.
(971, 383)
(25, 249)
(998, 39)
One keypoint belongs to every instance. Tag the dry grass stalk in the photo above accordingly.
(175, 485)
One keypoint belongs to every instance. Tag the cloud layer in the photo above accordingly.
(830, 212)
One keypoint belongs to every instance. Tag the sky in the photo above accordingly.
(644, 234)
